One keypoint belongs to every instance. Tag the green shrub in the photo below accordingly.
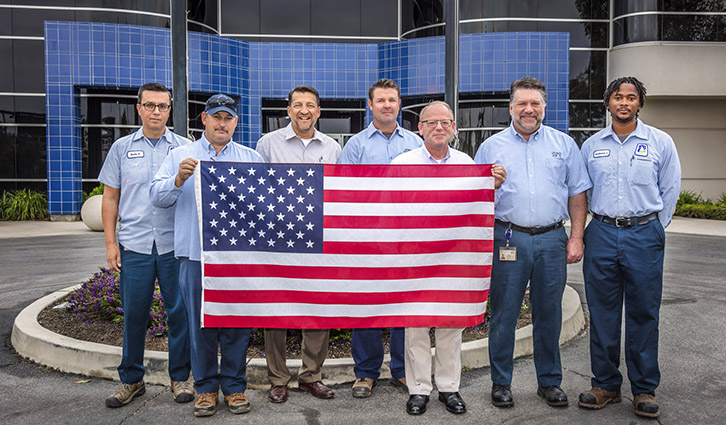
(722, 199)
(23, 204)
(710, 211)
(98, 190)
(689, 197)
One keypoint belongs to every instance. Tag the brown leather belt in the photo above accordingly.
(626, 221)
(530, 230)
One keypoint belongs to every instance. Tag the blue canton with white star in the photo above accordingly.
(262, 207)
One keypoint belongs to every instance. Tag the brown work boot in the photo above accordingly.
(125, 393)
(646, 406)
(597, 398)
(363, 387)
(237, 403)
(206, 404)
(183, 391)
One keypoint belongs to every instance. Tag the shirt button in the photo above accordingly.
(620, 180)
(620, 197)
(532, 193)
(620, 162)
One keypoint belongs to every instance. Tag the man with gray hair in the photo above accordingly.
(437, 127)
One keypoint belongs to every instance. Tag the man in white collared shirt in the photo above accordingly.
(437, 127)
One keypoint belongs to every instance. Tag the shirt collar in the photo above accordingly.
(139, 135)
(371, 130)
(513, 132)
(208, 146)
(641, 132)
(289, 133)
(438, 161)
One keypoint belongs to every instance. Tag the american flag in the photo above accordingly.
(322, 246)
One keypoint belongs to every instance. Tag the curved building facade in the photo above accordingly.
(69, 89)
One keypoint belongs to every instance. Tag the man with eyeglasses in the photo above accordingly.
(382, 141)
(171, 187)
(298, 142)
(144, 251)
(437, 127)
(546, 184)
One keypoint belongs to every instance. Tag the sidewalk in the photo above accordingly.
(29, 229)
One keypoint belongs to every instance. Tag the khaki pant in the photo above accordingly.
(314, 351)
(418, 360)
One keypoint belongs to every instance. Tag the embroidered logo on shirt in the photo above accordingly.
(556, 154)
(135, 154)
(641, 149)
(602, 153)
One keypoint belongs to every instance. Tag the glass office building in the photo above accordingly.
(67, 88)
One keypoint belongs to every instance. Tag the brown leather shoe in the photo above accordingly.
(317, 389)
(597, 398)
(278, 394)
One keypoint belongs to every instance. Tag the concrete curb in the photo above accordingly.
(70, 355)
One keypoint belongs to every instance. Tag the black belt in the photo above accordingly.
(626, 221)
(530, 230)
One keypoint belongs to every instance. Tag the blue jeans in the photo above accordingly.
(209, 374)
(541, 262)
(367, 347)
(624, 263)
(136, 285)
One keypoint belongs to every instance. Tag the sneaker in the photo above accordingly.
(237, 403)
(363, 387)
(125, 393)
(183, 391)
(206, 404)
(646, 406)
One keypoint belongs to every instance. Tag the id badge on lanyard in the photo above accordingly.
(508, 253)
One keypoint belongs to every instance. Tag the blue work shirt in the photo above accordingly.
(633, 178)
(371, 146)
(542, 175)
(130, 166)
(165, 194)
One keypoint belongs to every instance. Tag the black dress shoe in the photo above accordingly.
(416, 404)
(454, 403)
(502, 396)
(554, 395)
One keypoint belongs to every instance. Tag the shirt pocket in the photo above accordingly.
(134, 171)
(642, 171)
(601, 170)
(556, 171)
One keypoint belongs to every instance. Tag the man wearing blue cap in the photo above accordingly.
(172, 186)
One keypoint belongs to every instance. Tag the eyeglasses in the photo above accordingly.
(433, 123)
(163, 107)
(220, 100)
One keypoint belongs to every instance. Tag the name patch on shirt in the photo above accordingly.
(641, 149)
(135, 154)
(602, 153)
(556, 154)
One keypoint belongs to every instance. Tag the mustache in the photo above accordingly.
(221, 128)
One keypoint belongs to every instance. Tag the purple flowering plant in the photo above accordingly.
(98, 298)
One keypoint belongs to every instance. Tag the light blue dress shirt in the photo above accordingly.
(165, 194)
(370, 146)
(541, 175)
(633, 178)
(130, 166)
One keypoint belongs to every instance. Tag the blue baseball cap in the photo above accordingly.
(221, 102)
